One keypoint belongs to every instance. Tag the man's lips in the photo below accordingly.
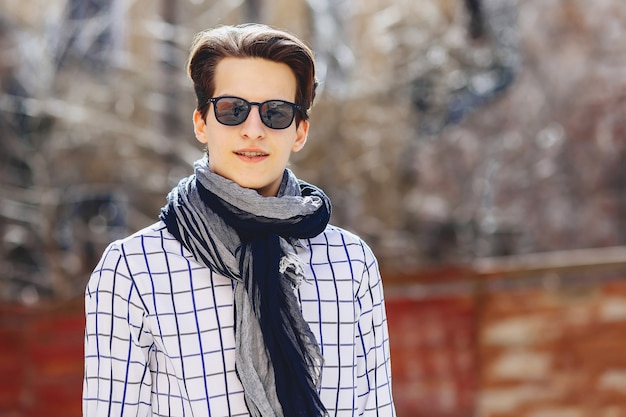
(251, 154)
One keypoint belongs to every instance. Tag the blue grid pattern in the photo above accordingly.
(160, 341)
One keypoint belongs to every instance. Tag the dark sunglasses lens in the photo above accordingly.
(277, 114)
(231, 111)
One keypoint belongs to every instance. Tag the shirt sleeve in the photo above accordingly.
(373, 359)
(117, 379)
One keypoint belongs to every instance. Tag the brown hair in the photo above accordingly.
(251, 41)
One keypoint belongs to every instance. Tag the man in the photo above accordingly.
(242, 299)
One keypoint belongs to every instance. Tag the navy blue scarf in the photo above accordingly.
(250, 239)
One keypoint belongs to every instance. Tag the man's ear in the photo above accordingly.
(199, 126)
(302, 132)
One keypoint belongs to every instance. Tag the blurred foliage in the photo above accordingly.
(443, 130)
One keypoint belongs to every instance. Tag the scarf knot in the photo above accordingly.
(252, 240)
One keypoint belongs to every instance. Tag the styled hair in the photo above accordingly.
(251, 40)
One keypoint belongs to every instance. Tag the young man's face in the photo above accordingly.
(251, 154)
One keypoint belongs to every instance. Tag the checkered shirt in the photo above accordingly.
(160, 340)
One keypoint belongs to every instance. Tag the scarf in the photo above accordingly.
(251, 239)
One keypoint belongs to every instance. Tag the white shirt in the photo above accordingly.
(159, 337)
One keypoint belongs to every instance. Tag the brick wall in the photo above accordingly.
(41, 361)
(433, 356)
(523, 349)
(558, 353)
(526, 352)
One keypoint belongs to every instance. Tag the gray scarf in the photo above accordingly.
(251, 239)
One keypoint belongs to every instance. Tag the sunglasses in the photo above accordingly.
(233, 111)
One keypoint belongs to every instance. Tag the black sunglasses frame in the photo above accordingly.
(249, 105)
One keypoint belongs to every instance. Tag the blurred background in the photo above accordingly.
(478, 146)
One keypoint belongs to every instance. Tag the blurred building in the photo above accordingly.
(443, 131)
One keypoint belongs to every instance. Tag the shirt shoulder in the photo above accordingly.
(336, 239)
(339, 249)
(151, 252)
(132, 244)
(154, 232)
(149, 241)
(338, 232)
